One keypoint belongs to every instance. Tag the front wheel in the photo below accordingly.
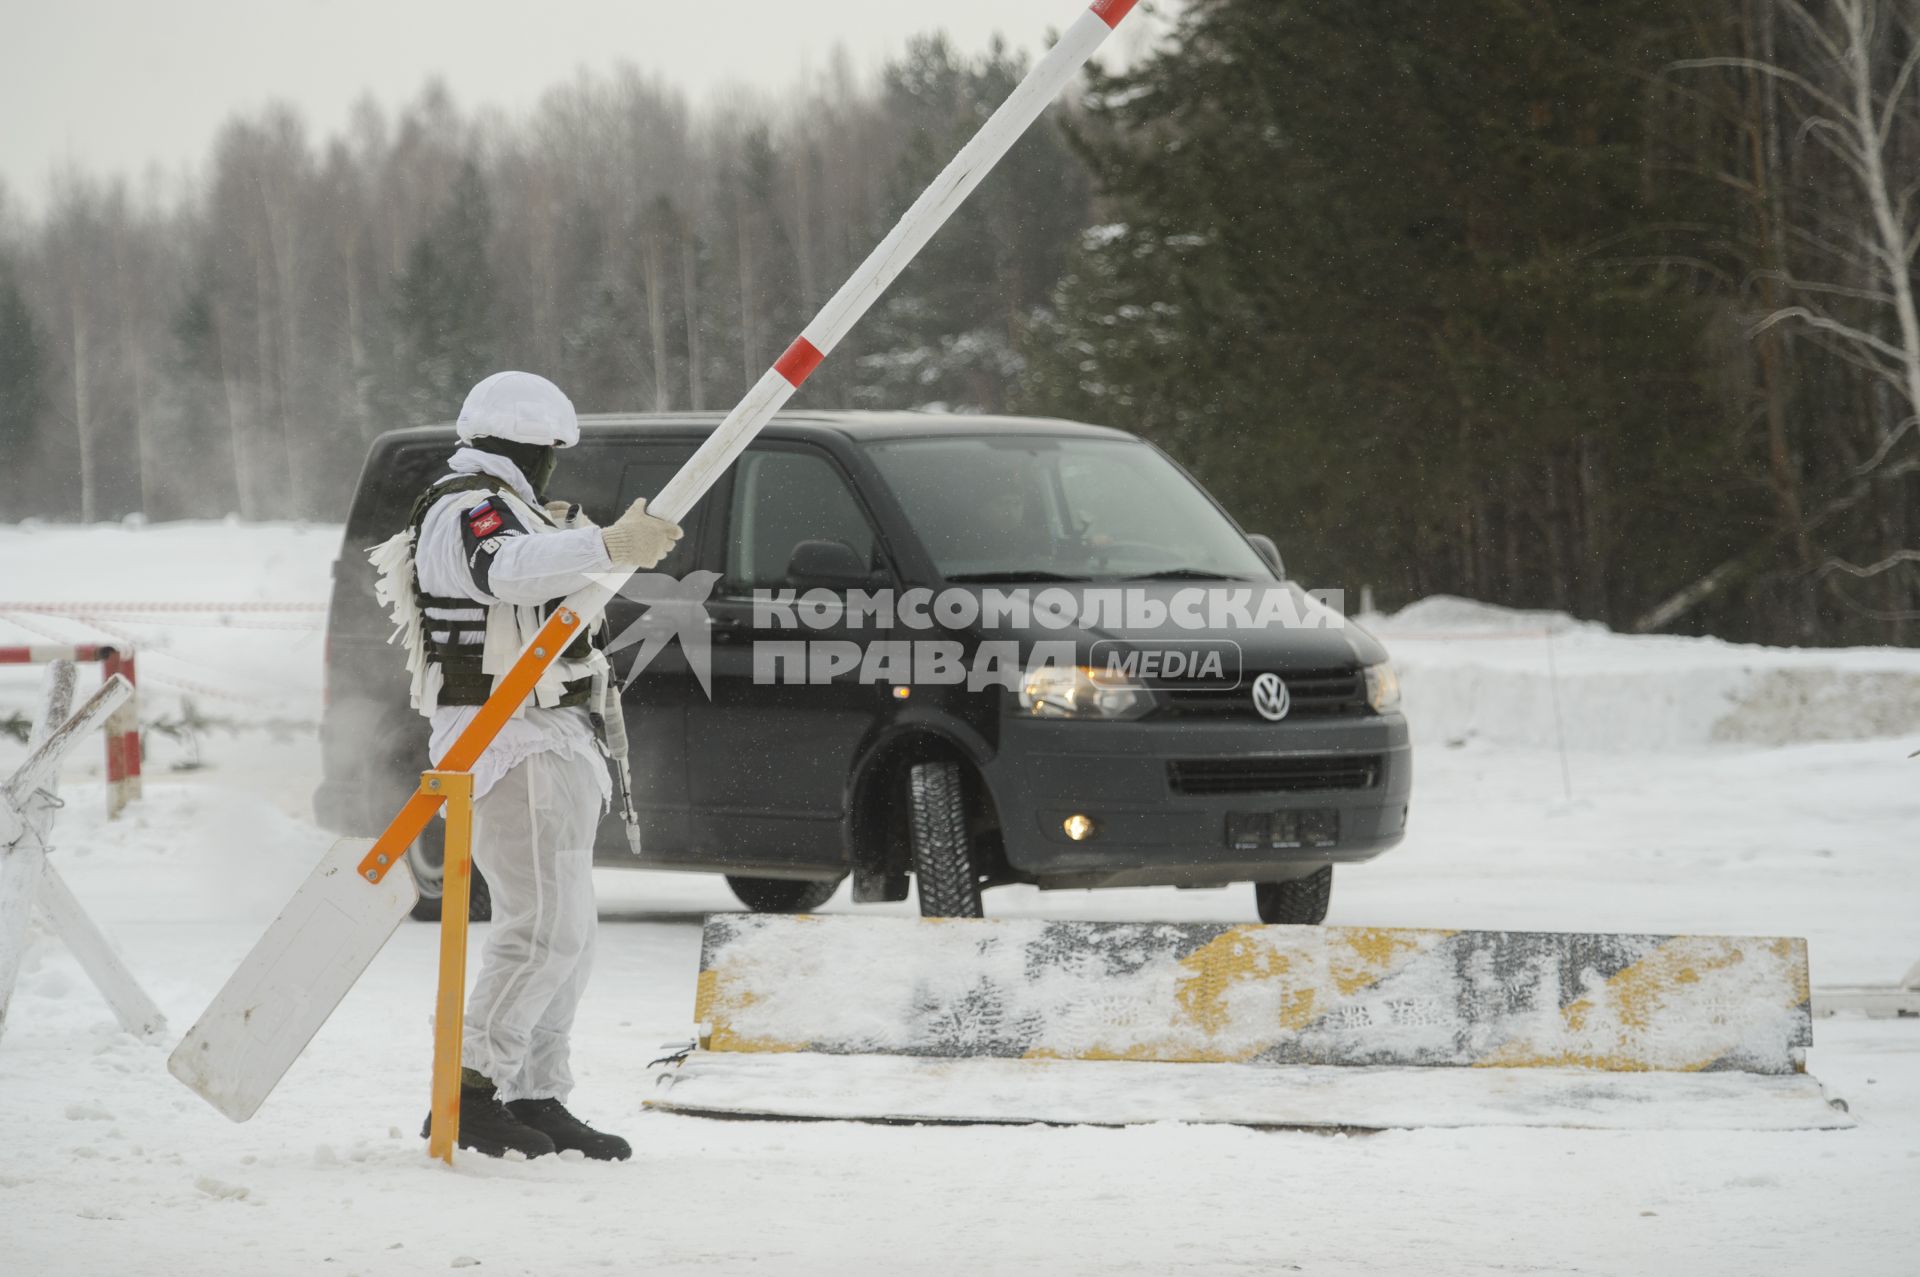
(949, 881)
(1301, 902)
(782, 895)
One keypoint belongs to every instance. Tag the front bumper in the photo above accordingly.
(1148, 833)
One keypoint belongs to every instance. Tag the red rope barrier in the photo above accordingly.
(93, 609)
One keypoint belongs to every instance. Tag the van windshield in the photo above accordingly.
(1004, 508)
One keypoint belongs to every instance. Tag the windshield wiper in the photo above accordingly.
(969, 578)
(1184, 574)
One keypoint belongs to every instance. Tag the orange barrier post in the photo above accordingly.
(449, 1016)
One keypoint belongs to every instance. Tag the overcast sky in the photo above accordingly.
(121, 86)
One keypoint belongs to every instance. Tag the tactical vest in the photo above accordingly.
(459, 654)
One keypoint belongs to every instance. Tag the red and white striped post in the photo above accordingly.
(122, 728)
(123, 736)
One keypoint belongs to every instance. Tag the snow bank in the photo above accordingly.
(167, 562)
(110, 1166)
(248, 663)
(1472, 671)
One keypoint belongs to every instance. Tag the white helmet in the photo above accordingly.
(521, 407)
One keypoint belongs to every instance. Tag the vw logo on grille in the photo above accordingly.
(1271, 698)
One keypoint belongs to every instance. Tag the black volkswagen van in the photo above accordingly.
(962, 650)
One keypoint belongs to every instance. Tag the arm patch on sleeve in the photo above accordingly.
(483, 529)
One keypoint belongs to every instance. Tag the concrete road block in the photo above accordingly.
(1191, 993)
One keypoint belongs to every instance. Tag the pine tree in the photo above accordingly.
(22, 397)
(945, 333)
(197, 419)
(1365, 269)
(444, 311)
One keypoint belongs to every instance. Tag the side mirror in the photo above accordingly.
(831, 565)
(1270, 552)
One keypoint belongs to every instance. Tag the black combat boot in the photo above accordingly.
(487, 1126)
(551, 1119)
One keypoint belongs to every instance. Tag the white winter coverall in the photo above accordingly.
(539, 791)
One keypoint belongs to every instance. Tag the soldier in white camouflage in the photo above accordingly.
(489, 556)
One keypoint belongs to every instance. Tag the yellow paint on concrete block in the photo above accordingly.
(1277, 995)
(1376, 953)
(716, 1008)
(1691, 991)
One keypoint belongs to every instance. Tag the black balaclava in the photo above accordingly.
(536, 460)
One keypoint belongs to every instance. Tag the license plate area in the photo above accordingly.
(1291, 829)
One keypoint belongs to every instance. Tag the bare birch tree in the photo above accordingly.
(1849, 95)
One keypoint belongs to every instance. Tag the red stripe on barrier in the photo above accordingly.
(799, 362)
(52, 652)
(116, 743)
(122, 729)
(116, 757)
(1112, 12)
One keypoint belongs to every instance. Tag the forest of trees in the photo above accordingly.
(1608, 308)
(236, 350)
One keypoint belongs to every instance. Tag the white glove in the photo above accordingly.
(638, 539)
(563, 513)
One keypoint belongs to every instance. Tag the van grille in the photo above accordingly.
(1299, 773)
(1312, 694)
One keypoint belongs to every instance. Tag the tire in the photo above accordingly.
(1301, 902)
(943, 864)
(479, 903)
(782, 895)
(425, 858)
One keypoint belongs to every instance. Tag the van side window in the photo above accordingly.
(646, 472)
(586, 476)
(779, 500)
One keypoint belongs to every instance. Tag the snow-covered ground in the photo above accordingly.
(1703, 787)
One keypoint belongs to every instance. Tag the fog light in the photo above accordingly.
(1079, 828)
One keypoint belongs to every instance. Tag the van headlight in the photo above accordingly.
(1383, 688)
(1057, 691)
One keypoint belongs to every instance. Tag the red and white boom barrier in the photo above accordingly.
(122, 728)
(339, 920)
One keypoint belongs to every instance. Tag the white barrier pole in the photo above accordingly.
(337, 922)
(919, 224)
(43, 760)
(131, 1006)
(23, 828)
(27, 804)
(122, 730)
(929, 213)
